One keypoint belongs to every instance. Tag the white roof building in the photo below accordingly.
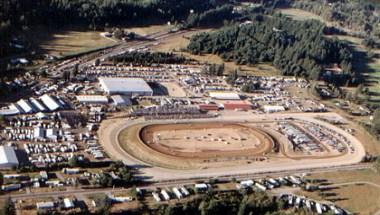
(12, 110)
(225, 95)
(119, 100)
(50, 103)
(37, 104)
(273, 108)
(68, 203)
(45, 205)
(92, 99)
(125, 86)
(8, 158)
(39, 133)
(25, 106)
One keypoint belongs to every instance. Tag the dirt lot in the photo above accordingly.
(358, 191)
(203, 140)
(174, 90)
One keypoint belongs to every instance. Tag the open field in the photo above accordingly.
(358, 191)
(146, 30)
(66, 42)
(298, 14)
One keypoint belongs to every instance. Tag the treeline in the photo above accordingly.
(21, 15)
(358, 15)
(149, 58)
(215, 16)
(232, 203)
(294, 47)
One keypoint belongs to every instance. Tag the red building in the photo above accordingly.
(237, 105)
(208, 107)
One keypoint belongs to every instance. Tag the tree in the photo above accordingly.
(1, 178)
(376, 121)
(8, 208)
(232, 77)
(118, 34)
(74, 161)
(105, 180)
(293, 52)
(103, 205)
(377, 165)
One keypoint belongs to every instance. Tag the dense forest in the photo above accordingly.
(213, 16)
(21, 15)
(359, 15)
(277, 40)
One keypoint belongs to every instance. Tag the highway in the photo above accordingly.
(120, 48)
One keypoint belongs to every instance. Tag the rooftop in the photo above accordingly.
(8, 155)
(114, 85)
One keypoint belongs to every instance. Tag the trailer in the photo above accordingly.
(273, 182)
(290, 200)
(247, 183)
(295, 180)
(336, 210)
(177, 193)
(260, 186)
(156, 197)
(201, 187)
(307, 203)
(165, 195)
(318, 207)
(185, 191)
(298, 202)
(268, 185)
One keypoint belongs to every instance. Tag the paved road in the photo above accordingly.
(182, 182)
(122, 47)
(109, 132)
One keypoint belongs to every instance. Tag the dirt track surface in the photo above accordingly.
(205, 140)
(109, 138)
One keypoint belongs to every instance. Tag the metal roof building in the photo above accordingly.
(224, 95)
(25, 106)
(37, 104)
(273, 108)
(8, 158)
(119, 100)
(125, 86)
(92, 99)
(11, 110)
(49, 102)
